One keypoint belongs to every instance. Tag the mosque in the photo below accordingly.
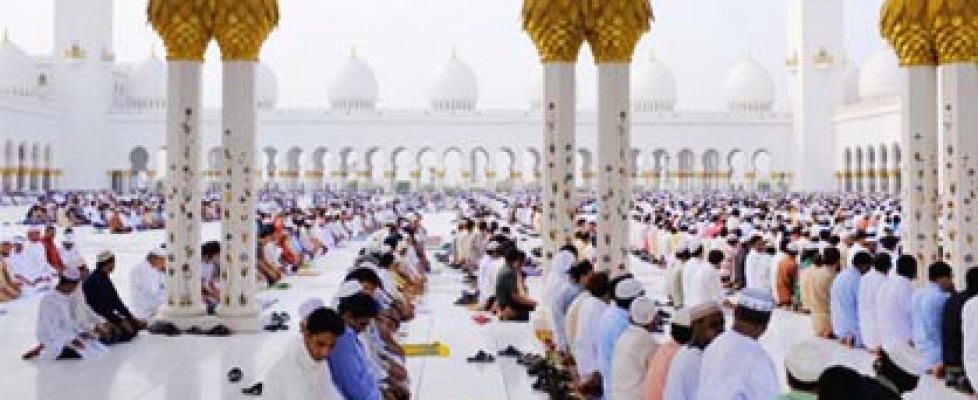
(77, 119)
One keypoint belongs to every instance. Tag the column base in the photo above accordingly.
(167, 313)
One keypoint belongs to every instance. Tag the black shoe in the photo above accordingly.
(195, 330)
(964, 386)
(235, 375)
(253, 390)
(481, 357)
(510, 351)
(222, 331)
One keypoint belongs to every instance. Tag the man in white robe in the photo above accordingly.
(148, 285)
(705, 283)
(302, 372)
(969, 322)
(59, 332)
(585, 346)
(895, 317)
(870, 286)
(735, 366)
(633, 351)
(682, 381)
(757, 269)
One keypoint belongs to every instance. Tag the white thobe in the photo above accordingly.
(895, 319)
(57, 327)
(37, 259)
(297, 376)
(684, 373)
(869, 287)
(630, 362)
(758, 271)
(969, 322)
(735, 366)
(486, 287)
(586, 343)
(687, 276)
(147, 289)
(705, 286)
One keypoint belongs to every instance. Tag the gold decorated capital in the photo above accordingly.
(186, 27)
(904, 24)
(613, 28)
(556, 28)
(955, 26)
(241, 27)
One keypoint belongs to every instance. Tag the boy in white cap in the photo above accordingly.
(148, 284)
(804, 364)
(634, 351)
(302, 372)
(735, 366)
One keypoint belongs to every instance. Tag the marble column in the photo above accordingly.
(238, 309)
(614, 183)
(183, 192)
(958, 125)
(558, 203)
(920, 163)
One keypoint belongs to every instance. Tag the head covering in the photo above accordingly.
(807, 360)
(643, 311)
(158, 252)
(681, 318)
(71, 274)
(701, 310)
(104, 256)
(757, 300)
(906, 358)
(628, 289)
(309, 306)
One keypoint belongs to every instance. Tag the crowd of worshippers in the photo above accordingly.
(348, 347)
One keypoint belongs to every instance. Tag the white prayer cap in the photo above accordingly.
(492, 245)
(683, 246)
(807, 360)
(309, 306)
(643, 311)
(104, 256)
(628, 289)
(19, 240)
(68, 238)
(681, 318)
(158, 252)
(756, 300)
(701, 310)
(71, 274)
(906, 358)
(793, 247)
(695, 244)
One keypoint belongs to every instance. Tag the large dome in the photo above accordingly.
(267, 89)
(880, 76)
(355, 86)
(18, 73)
(653, 87)
(455, 88)
(147, 83)
(749, 87)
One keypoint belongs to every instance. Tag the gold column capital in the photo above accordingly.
(241, 27)
(904, 24)
(556, 28)
(613, 28)
(186, 26)
(955, 27)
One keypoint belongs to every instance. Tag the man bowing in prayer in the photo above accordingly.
(299, 373)
(735, 366)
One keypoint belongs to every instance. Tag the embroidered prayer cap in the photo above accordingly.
(701, 310)
(807, 360)
(682, 318)
(104, 256)
(757, 300)
(643, 311)
(628, 289)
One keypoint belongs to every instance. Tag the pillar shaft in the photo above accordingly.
(959, 122)
(614, 177)
(183, 191)
(919, 223)
(558, 157)
(238, 225)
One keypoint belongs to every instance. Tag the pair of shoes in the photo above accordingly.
(481, 357)
(221, 331)
(253, 390)
(163, 328)
(510, 351)
(280, 317)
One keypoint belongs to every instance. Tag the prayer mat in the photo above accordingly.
(434, 349)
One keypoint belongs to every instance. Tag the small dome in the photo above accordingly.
(653, 87)
(355, 86)
(267, 89)
(147, 83)
(536, 90)
(18, 72)
(749, 87)
(880, 76)
(456, 88)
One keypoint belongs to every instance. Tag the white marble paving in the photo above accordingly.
(192, 367)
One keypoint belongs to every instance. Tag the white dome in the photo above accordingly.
(456, 87)
(653, 87)
(147, 83)
(267, 89)
(749, 87)
(880, 76)
(18, 73)
(355, 87)
(536, 90)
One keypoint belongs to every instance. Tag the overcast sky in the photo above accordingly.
(407, 42)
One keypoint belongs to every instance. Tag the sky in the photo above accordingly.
(408, 41)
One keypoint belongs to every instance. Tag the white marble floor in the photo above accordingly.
(193, 367)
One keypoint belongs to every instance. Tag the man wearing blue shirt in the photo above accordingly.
(348, 362)
(928, 313)
(844, 300)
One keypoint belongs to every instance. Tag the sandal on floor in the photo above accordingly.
(510, 351)
(254, 390)
(219, 330)
(235, 375)
(481, 357)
